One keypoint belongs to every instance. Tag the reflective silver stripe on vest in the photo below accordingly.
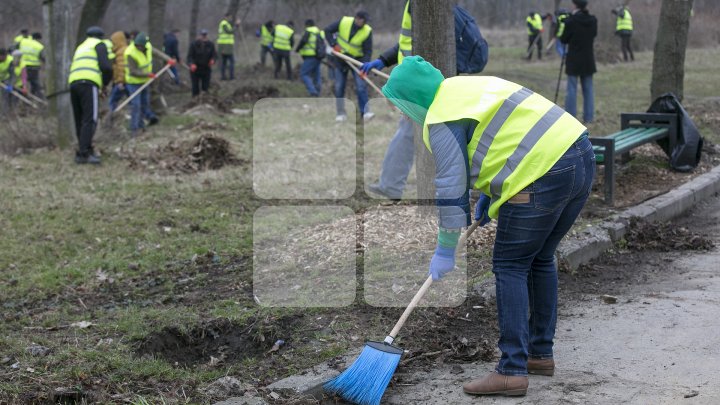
(406, 52)
(86, 58)
(497, 121)
(84, 68)
(527, 143)
(406, 32)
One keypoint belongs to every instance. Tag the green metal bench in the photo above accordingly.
(636, 129)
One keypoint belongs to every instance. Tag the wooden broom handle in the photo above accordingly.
(426, 285)
(357, 63)
(139, 90)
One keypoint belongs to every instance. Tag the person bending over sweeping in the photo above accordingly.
(534, 165)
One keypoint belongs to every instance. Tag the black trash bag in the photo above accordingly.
(686, 155)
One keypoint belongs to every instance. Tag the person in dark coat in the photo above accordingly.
(171, 48)
(579, 35)
(201, 58)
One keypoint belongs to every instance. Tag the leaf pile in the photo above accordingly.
(207, 152)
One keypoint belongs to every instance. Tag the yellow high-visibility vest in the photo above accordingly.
(144, 62)
(31, 49)
(536, 22)
(266, 37)
(520, 134)
(406, 35)
(18, 76)
(561, 24)
(352, 46)
(281, 40)
(224, 37)
(5, 68)
(310, 47)
(17, 40)
(624, 22)
(109, 46)
(85, 64)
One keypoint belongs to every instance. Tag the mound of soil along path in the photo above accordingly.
(207, 152)
(664, 237)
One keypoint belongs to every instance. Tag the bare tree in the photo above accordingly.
(434, 40)
(156, 21)
(194, 13)
(669, 58)
(93, 12)
(57, 20)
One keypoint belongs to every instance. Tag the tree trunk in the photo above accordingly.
(194, 13)
(93, 12)
(156, 22)
(434, 40)
(668, 69)
(57, 20)
(233, 8)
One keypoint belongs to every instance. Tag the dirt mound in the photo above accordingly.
(207, 104)
(202, 125)
(215, 342)
(251, 94)
(664, 237)
(208, 152)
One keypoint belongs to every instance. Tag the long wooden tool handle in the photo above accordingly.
(358, 63)
(367, 79)
(426, 285)
(36, 99)
(167, 57)
(138, 91)
(23, 99)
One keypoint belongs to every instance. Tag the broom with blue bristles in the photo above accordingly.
(365, 381)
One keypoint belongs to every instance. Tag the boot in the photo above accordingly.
(495, 383)
(541, 366)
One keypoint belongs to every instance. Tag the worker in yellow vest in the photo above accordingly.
(312, 49)
(7, 75)
(33, 57)
(534, 23)
(90, 71)
(138, 70)
(534, 166)
(24, 34)
(265, 33)
(283, 41)
(624, 29)
(354, 38)
(20, 83)
(226, 47)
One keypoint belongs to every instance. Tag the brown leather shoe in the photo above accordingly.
(495, 383)
(541, 366)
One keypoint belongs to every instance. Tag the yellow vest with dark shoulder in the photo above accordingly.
(31, 50)
(144, 62)
(520, 134)
(266, 37)
(352, 46)
(281, 40)
(224, 37)
(5, 67)
(85, 64)
(624, 22)
(310, 47)
(406, 35)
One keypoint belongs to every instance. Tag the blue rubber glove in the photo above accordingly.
(481, 209)
(9, 88)
(368, 66)
(442, 262)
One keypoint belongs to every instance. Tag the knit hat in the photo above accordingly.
(412, 87)
(141, 39)
(581, 4)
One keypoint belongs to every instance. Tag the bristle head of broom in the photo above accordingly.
(365, 381)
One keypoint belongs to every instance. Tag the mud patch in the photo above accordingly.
(214, 342)
(208, 152)
(664, 237)
(251, 94)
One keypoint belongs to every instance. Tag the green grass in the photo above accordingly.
(65, 228)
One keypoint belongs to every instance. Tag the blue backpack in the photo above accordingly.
(470, 46)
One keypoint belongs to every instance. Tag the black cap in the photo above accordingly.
(580, 3)
(36, 35)
(309, 22)
(95, 31)
(364, 15)
(290, 23)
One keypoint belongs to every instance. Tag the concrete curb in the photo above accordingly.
(579, 248)
(589, 243)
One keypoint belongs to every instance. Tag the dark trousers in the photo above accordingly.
(84, 99)
(264, 50)
(227, 61)
(625, 45)
(200, 79)
(537, 43)
(279, 57)
(33, 78)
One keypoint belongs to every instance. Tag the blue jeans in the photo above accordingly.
(311, 76)
(340, 76)
(116, 95)
(528, 233)
(227, 61)
(560, 48)
(398, 159)
(588, 98)
(175, 75)
(139, 107)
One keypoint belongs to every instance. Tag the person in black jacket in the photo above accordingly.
(170, 44)
(579, 35)
(201, 58)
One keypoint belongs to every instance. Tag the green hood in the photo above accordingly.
(412, 87)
